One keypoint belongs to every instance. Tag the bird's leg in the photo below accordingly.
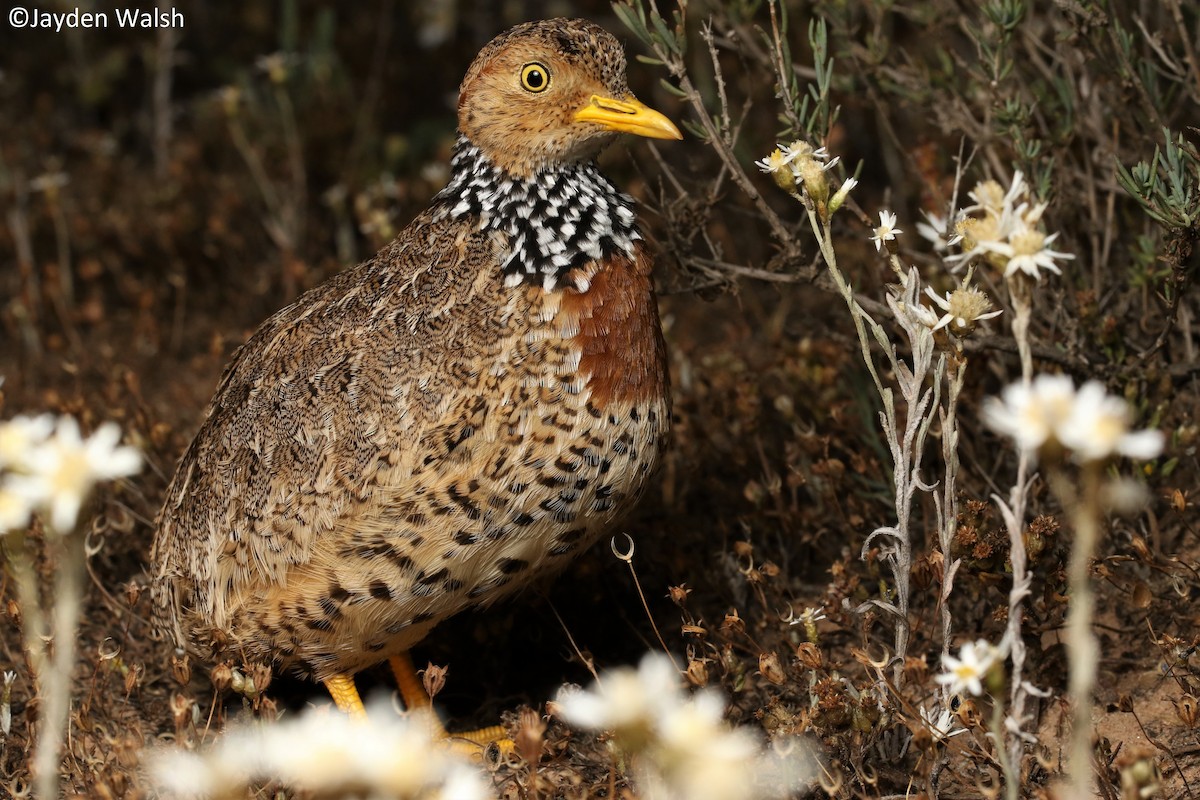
(411, 691)
(345, 695)
(415, 698)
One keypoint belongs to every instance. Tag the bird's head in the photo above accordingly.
(551, 92)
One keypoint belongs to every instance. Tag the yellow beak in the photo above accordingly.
(627, 116)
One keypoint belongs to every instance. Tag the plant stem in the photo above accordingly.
(957, 370)
(999, 738)
(906, 447)
(1082, 650)
(1021, 294)
(55, 686)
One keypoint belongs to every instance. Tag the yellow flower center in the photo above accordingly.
(968, 303)
(73, 474)
(990, 195)
(776, 161)
(1027, 242)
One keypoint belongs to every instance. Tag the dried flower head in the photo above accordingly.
(964, 308)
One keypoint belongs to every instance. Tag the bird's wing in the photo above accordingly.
(328, 393)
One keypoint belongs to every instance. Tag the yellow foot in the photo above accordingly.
(345, 695)
(474, 742)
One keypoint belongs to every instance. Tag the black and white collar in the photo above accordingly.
(557, 220)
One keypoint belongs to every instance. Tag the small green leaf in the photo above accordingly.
(672, 88)
(665, 35)
(626, 12)
(695, 130)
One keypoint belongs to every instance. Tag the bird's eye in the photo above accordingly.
(535, 77)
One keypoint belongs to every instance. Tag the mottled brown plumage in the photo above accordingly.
(444, 423)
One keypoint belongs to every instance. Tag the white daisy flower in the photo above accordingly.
(778, 161)
(20, 435)
(1028, 250)
(327, 755)
(886, 231)
(1090, 423)
(940, 723)
(59, 473)
(629, 703)
(679, 745)
(1004, 227)
(15, 508)
(964, 674)
(1098, 428)
(1031, 413)
(936, 230)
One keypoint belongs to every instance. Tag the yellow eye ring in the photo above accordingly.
(535, 77)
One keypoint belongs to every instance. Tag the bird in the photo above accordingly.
(450, 420)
